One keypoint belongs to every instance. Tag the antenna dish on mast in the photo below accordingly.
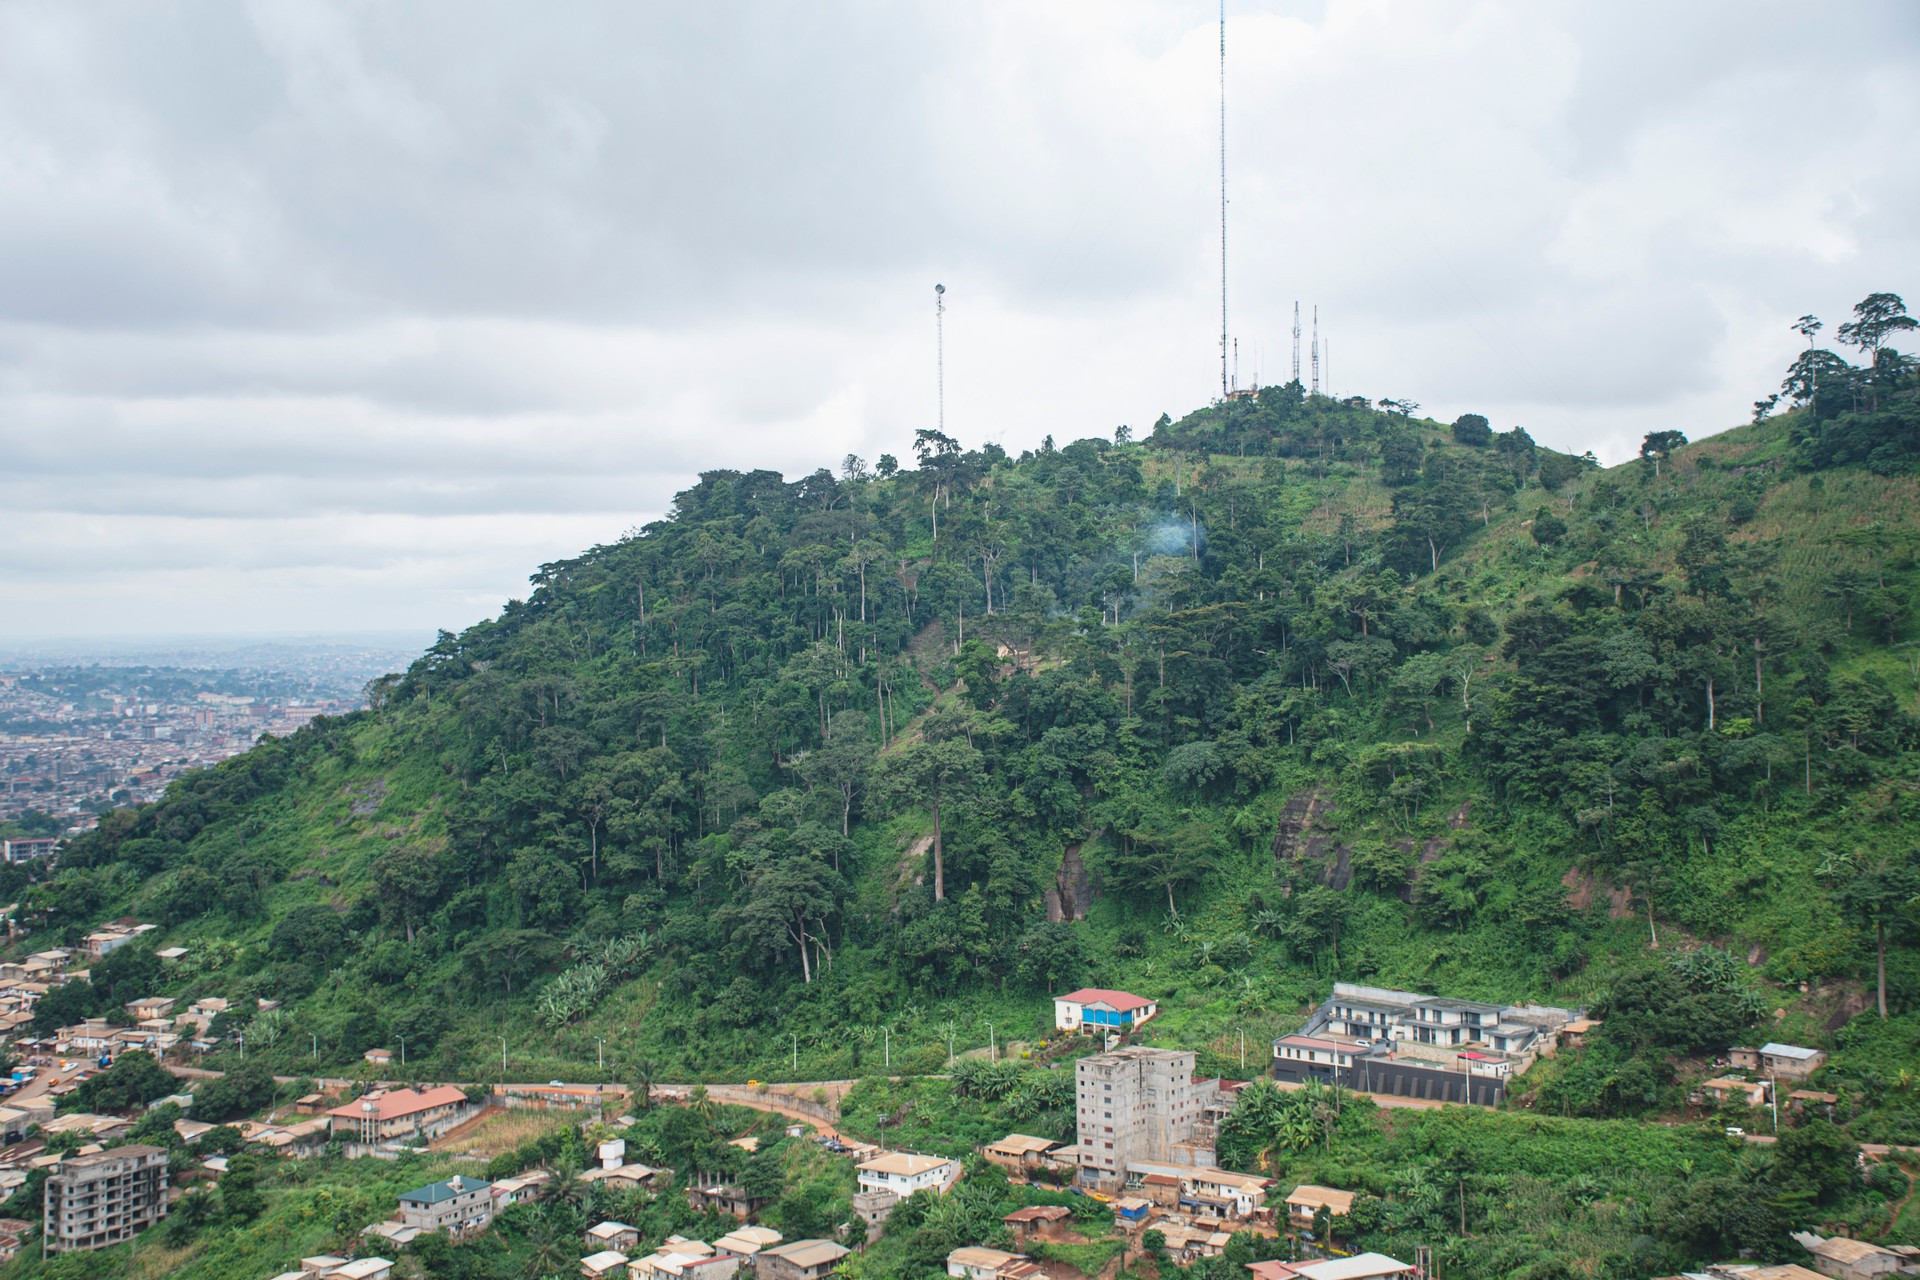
(939, 288)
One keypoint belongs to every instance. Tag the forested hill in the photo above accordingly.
(1290, 689)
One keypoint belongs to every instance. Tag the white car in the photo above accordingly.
(1735, 1131)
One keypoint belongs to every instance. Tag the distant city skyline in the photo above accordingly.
(325, 317)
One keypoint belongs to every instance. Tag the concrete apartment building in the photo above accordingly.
(386, 1115)
(456, 1206)
(1136, 1104)
(106, 1198)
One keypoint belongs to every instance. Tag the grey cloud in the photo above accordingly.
(314, 313)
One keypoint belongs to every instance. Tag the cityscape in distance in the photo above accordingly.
(91, 725)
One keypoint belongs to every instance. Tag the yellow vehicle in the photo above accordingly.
(753, 1084)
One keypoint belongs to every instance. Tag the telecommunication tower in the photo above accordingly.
(1296, 342)
(940, 350)
(1316, 348)
(1225, 387)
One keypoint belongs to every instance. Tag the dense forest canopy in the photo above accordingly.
(1293, 688)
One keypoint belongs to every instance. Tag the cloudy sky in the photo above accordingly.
(341, 316)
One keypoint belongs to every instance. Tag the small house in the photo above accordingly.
(1732, 1091)
(973, 1263)
(1304, 1205)
(603, 1265)
(523, 1189)
(1098, 1010)
(613, 1235)
(1576, 1033)
(1845, 1259)
(1029, 1222)
(362, 1269)
(1131, 1211)
(1162, 1189)
(801, 1260)
(1791, 1061)
(1020, 1153)
(1812, 1101)
(747, 1242)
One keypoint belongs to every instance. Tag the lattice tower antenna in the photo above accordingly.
(940, 350)
(1296, 342)
(1316, 348)
(1225, 388)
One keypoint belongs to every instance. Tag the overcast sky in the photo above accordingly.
(346, 316)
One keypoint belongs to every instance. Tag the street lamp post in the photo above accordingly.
(601, 1041)
(1243, 1047)
(886, 1047)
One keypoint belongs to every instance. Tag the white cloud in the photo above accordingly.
(346, 315)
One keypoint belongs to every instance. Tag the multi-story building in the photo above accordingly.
(1136, 1104)
(1413, 1045)
(903, 1173)
(456, 1206)
(399, 1113)
(106, 1198)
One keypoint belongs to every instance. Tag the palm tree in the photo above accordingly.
(643, 1074)
(551, 1250)
(568, 1189)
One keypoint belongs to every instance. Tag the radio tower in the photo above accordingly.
(1316, 348)
(940, 349)
(1224, 387)
(1296, 342)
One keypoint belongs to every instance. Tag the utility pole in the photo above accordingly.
(992, 1047)
(503, 1060)
(886, 1047)
(796, 1055)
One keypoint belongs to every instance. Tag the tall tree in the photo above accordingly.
(939, 770)
(1881, 891)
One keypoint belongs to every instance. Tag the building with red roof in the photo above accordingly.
(399, 1113)
(1098, 1010)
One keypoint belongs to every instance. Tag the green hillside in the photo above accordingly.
(854, 770)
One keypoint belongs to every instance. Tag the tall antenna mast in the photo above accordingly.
(940, 349)
(1224, 388)
(1296, 341)
(1316, 348)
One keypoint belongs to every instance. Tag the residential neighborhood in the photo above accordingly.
(1140, 1170)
